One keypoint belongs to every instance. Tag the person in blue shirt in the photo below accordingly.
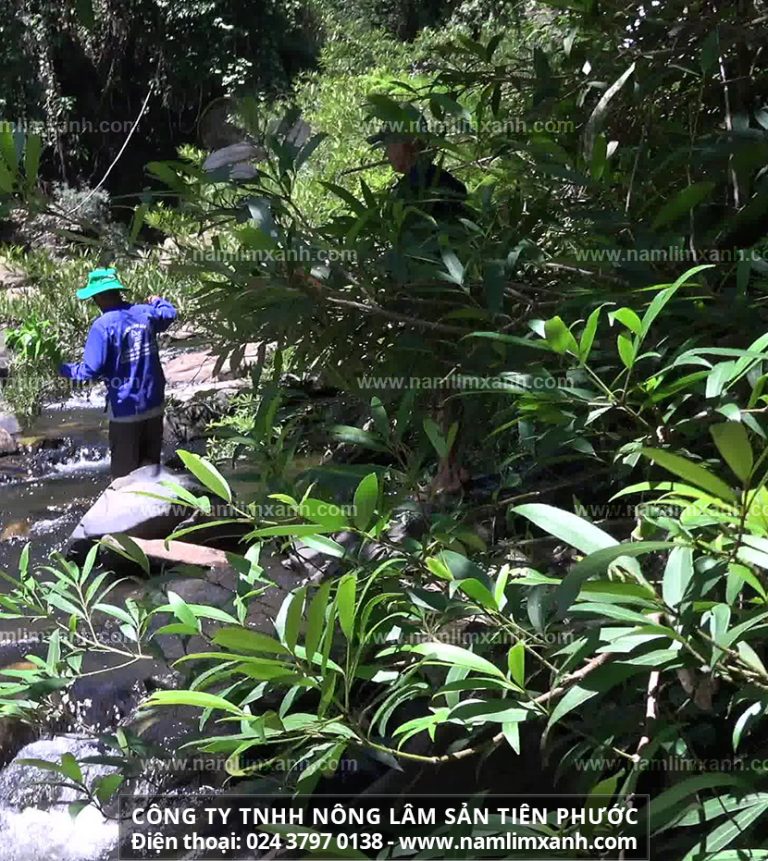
(121, 350)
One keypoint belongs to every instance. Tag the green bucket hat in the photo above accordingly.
(99, 281)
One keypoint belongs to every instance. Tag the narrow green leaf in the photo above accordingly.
(345, 602)
(192, 698)
(686, 469)
(455, 656)
(206, 473)
(732, 442)
(678, 574)
(365, 500)
(516, 661)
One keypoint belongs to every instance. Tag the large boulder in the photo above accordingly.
(5, 356)
(125, 507)
(8, 444)
(9, 422)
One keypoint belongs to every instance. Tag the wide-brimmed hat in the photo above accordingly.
(100, 281)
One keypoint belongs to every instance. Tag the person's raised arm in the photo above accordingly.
(163, 313)
(94, 358)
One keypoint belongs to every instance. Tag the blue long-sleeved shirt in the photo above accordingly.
(121, 350)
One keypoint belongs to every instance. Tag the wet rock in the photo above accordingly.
(183, 333)
(9, 422)
(15, 531)
(182, 553)
(5, 356)
(14, 735)
(48, 525)
(96, 704)
(8, 444)
(192, 371)
(187, 420)
(123, 508)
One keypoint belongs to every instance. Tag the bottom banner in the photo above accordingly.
(241, 827)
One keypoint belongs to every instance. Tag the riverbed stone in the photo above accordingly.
(125, 508)
(9, 422)
(191, 371)
(5, 356)
(8, 444)
(14, 735)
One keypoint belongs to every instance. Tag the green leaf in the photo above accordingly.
(628, 318)
(357, 436)
(32, 149)
(439, 443)
(598, 682)
(70, 768)
(626, 349)
(206, 473)
(182, 611)
(559, 337)
(753, 712)
(75, 807)
(692, 472)
(42, 764)
(719, 620)
(489, 711)
(732, 442)
(455, 656)
(678, 574)
(316, 618)
(297, 530)
(566, 526)
(293, 618)
(365, 501)
(352, 202)
(682, 203)
(588, 335)
(516, 662)
(248, 640)
(595, 121)
(599, 156)
(597, 562)
(726, 832)
(345, 602)
(662, 297)
(665, 806)
(192, 698)
(126, 547)
(105, 787)
(455, 271)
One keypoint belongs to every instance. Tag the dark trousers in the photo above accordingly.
(134, 444)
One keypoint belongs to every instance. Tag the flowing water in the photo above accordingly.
(44, 493)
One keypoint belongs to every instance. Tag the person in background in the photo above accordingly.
(434, 189)
(121, 350)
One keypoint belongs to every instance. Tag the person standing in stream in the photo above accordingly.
(121, 350)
